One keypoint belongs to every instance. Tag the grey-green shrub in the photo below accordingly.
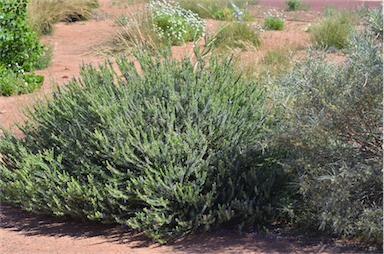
(375, 21)
(176, 147)
(335, 137)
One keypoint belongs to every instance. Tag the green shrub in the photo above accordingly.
(20, 50)
(333, 30)
(19, 46)
(293, 5)
(274, 20)
(296, 5)
(176, 24)
(335, 141)
(178, 147)
(237, 35)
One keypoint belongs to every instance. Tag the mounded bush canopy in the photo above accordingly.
(172, 148)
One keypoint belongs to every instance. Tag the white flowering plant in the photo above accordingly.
(174, 23)
(274, 20)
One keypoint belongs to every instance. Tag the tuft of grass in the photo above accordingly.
(334, 29)
(137, 31)
(237, 35)
(43, 14)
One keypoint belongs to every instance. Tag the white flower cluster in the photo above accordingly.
(175, 23)
(273, 13)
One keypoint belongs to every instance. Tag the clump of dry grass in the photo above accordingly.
(137, 31)
(43, 14)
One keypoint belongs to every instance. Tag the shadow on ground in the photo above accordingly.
(224, 241)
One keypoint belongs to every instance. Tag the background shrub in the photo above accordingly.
(295, 5)
(237, 35)
(20, 50)
(180, 147)
(274, 20)
(174, 23)
(336, 141)
(333, 30)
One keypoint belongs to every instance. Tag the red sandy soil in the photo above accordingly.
(74, 44)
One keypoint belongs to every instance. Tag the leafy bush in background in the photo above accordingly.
(180, 147)
(336, 141)
(174, 23)
(20, 49)
(19, 46)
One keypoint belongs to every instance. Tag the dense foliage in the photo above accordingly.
(177, 147)
(19, 50)
(335, 137)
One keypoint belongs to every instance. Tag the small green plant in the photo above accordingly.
(237, 35)
(295, 5)
(274, 20)
(333, 30)
(174, 23)
(45, 58)
(14, 83)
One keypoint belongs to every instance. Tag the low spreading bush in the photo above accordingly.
(237, 35)
(176, 147)
(335, 140)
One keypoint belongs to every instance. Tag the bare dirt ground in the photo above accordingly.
(73, 44)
